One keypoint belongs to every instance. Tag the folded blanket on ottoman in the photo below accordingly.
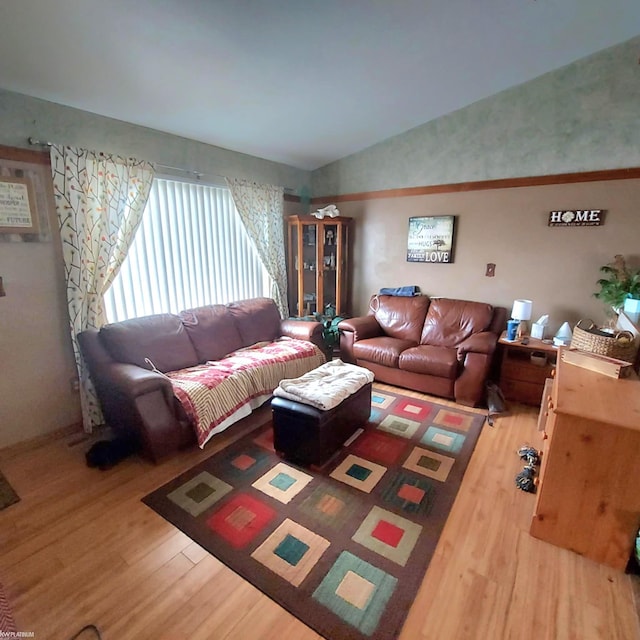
(325, 387)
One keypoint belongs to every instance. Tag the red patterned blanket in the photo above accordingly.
(217, 394)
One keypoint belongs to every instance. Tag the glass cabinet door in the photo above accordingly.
(309, 258)
(317, 263)
(330, 288)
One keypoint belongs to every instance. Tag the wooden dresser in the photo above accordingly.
(588, 497)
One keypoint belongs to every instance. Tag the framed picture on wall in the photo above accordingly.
(431, 239)
(17, 206)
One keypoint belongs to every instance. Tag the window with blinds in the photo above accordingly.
(191, 249)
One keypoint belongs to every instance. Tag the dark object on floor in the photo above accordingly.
(529, 455)
(525, 480)
(108, 453)
(7, 495)
(88, 627)
(495, 402)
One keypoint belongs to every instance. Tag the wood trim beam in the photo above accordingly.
(480, 185)
(25, 155)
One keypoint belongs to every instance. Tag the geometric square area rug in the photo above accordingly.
(343, 548)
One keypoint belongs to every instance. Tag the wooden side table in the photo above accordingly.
(521, 379)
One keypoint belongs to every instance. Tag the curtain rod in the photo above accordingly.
(197, 174)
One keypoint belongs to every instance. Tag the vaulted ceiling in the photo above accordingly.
(303, 82)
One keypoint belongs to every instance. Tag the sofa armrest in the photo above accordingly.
(469, 387)
(141, 403)
(133, 381)
(354, 329)
(309, 330)
(483, 342)
(362, 327)
(301, 329)
(475, 353)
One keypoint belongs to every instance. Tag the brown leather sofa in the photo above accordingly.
(438, 346)
(138, 401)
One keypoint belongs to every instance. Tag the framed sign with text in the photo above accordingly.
(17, 206)
(576, 218)
(431, 239)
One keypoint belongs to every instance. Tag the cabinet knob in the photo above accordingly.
(550, 404)
(545, 435)
(553, 372)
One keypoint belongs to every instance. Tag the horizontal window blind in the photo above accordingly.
(191, 249)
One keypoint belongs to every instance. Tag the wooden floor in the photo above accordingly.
(81, 548)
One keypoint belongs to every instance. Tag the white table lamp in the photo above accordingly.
(522, 311)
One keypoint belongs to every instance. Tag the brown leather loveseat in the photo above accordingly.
(130, 363)
(439, 346)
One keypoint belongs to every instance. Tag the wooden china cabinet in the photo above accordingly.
(317, 265)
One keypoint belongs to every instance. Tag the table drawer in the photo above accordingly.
(525, 371)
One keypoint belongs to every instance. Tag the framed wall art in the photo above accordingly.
(17, 206)
(26, 196)
(431, 239)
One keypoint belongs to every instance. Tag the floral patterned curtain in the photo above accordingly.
(100, 199)
(261, 209)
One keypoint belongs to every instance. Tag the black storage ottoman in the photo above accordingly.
(309, 436)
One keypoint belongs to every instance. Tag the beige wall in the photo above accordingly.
(555, 267)
(35, 347)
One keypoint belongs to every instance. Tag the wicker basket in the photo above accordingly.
(620, 345)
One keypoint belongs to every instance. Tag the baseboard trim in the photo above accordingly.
(36, 442)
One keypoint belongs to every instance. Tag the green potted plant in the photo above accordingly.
(621, 283)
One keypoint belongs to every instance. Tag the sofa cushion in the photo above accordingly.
(212, 330)
(257, 320)
(430, 360)
(384, 350)
(449, 321)
(160, 338)
(400, 317)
